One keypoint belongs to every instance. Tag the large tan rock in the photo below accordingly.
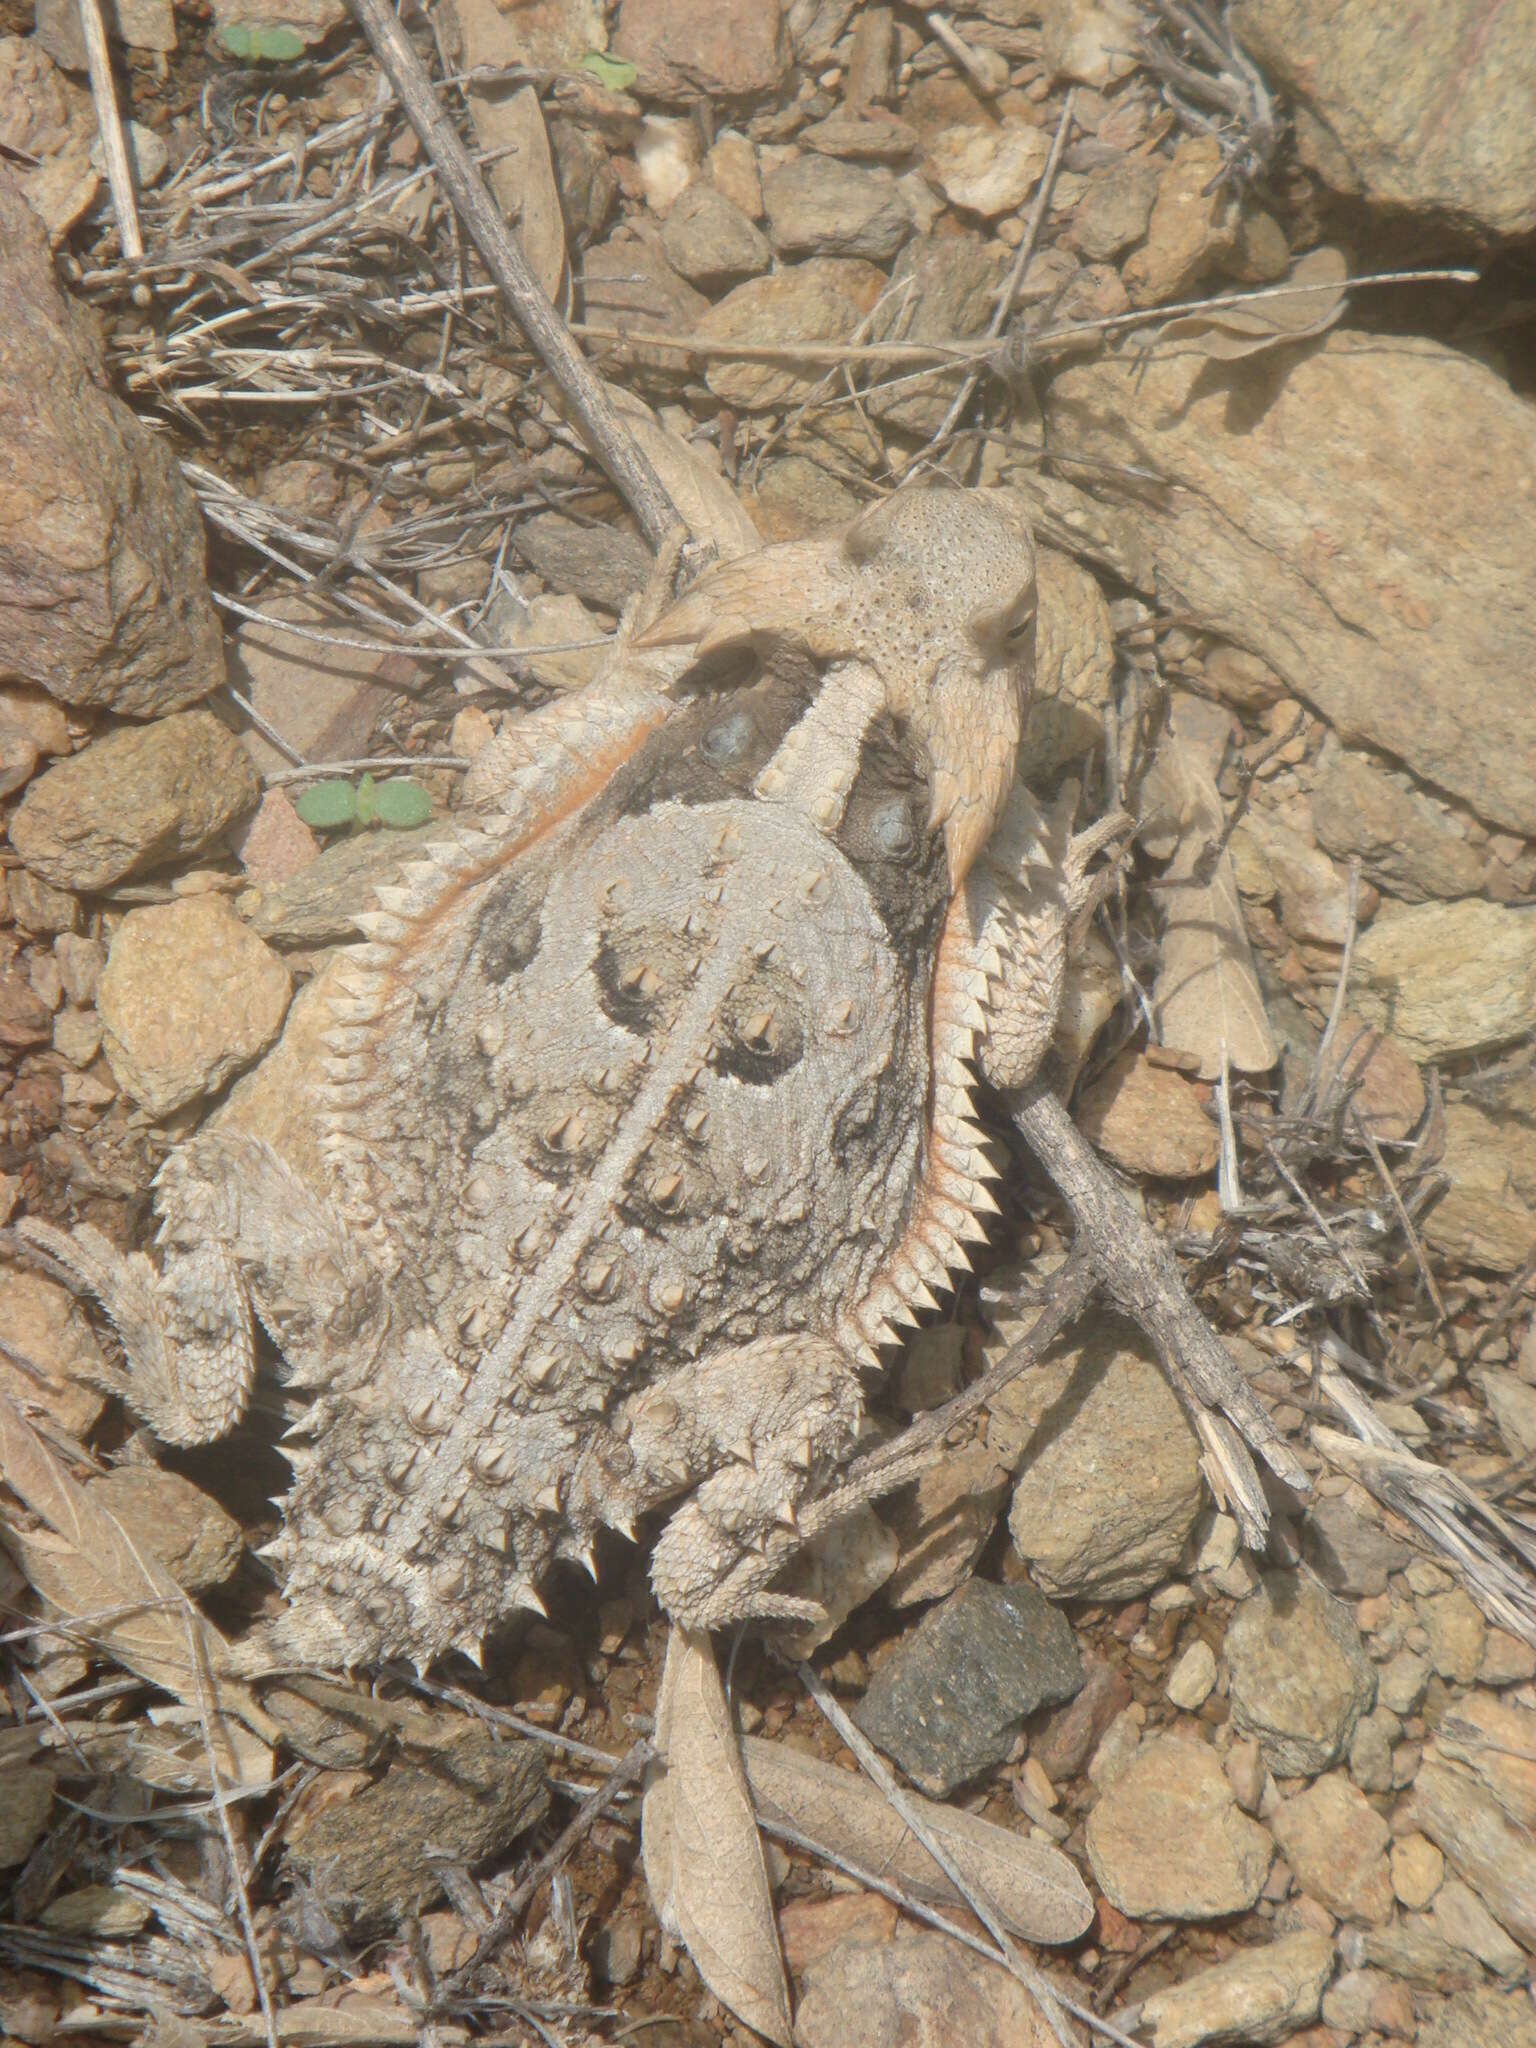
(134, 799)
(720, 49)
(189, 997)
(1357, 513)
(1078, 1424)
(1432, 118)
(1166, 1840)
(103, 600)
(1448, 977)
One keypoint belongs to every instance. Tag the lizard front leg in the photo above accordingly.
(1022, 910)
(755, 1432)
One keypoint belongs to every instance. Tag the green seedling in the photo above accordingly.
(332, 805)
(261, 42)
(617, 73)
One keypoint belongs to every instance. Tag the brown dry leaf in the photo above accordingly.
(87, 1567)
(703, 1855)
(1269, 322)
(1206, 997)
(523, 180)
(1036, 1891)
(366, 2023)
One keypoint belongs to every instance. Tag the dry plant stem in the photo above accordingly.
(119, 173)
(892, 1464)
(879, 1772)
(961, 352)
(508, 1914)
(1336, 1008)
(1140, 1274)
(931, 1917)
(1367, 1138)
(237, 1872)
(600, 426)
(1002, 312)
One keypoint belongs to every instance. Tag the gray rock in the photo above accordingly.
(1111, 1487)
(602, 565)
(1261, 1994)
(176, 1522)
(49, 1328)
(135, 799)
(103, 599)
(1378, 114)
(1350, 1555)
(189, 997)
(318, 906)
(1462, 1920)
(323, 699)
(821, 206)
(1405, 843)
(796, 496)
(37, 906)
(950, 1699)
(1482, 2019)
(1300, 1677)
(1069, 1735)
(1167, 1841)
(710, 49)
(1370, 1750)
(710, 241)
(628, 282)
(1114, 209)
(373, 1857)
(942, 1522)
(822, 300)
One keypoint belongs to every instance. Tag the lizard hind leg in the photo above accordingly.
(759, 1430)
(189, 1353)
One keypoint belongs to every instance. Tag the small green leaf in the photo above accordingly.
(617, 73)
(327, 805)
(402, 804)
(367, 801)
(261, 42)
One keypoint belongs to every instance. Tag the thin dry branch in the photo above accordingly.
(602, 429)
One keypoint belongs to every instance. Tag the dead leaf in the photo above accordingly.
(1035, 1890)
(117, 1597)
(703, 1856)
(523, 179)
(1319, 282)
(1206, 997)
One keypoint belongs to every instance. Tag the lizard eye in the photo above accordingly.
(890, 826)
(1017, 631)
(728, 738)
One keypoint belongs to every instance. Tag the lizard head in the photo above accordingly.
(934, 591)
(959, 624)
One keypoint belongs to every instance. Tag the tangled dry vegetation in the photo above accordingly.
(1092, 257)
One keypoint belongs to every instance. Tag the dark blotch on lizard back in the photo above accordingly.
(715, 747)
(885, 835)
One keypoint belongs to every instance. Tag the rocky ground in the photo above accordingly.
(1288, 617)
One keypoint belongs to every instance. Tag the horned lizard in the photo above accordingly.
(648, 1106)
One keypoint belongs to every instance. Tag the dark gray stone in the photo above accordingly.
(950, 1701)
(1349, 1554)
(602, 565)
